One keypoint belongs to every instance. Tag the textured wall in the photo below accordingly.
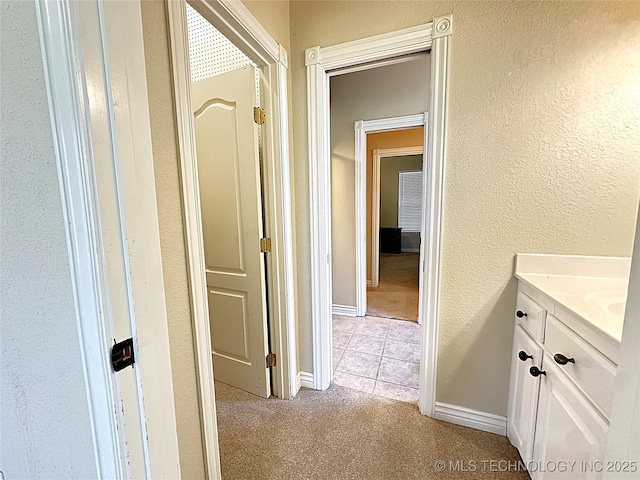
(543, 156)
(46, 430)
(170, 218)
(389, 168)
(410, 137)
(274, 16)
(385, 92)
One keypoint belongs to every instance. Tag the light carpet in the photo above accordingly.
(345, 434)
(397, 293)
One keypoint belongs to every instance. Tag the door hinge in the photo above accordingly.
(259, 115)
(265, 245)
(271, 360)
(122, 355)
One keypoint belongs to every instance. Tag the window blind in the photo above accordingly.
(410, 201)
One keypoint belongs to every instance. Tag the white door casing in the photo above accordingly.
(231, 203)
(357, 55)
(364, 128)
(233, 20)
(93, 56)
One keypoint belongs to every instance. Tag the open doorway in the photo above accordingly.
(377, 348)
(254, 249)
(395, 195)
(225, 90)
(324, 63)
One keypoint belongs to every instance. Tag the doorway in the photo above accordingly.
(367, 353)
(322, 63)
(236, 23)
(225, 91)
(395, 234)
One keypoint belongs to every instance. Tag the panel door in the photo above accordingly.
(231, 205)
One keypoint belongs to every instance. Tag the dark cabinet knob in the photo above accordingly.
(536, 372)
(522, 355)
(562, 360)
(520, 314)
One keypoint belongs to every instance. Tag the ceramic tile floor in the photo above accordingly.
(377, 355)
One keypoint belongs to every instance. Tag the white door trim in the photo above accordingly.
(71, 55)
(233, 20)
(379, 153)
(363, 128)
(68, 120)
(321, 64)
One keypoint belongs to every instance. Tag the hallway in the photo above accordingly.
(346, 434)
(377, 355)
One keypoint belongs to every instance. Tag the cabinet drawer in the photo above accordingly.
(590, 370)
(531, 316)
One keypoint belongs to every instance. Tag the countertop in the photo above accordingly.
(593, 289)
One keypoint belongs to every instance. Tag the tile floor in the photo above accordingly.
(377, 355)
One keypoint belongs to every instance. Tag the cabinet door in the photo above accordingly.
(568, 429)
(523, 393)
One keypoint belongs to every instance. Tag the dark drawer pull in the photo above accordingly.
(536, 372)
(562, 360)
(520, 314)
(522, 355)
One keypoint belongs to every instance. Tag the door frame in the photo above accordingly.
(364, 128)
(321, 63)
(83, 113)
(378, 154)
(234, 21)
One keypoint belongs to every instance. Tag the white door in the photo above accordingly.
(231, 205)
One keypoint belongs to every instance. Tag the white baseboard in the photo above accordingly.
(345, 310)
(471, 418)
(305, 379)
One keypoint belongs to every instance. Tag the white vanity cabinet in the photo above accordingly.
(560, 392)
(570, 433)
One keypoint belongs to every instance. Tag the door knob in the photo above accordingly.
(522, 355)
(520, 314)
(562, 360)
(536, 372)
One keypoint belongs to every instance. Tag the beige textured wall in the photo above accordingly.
(543, 156)
(389, 168)
(45, 414)
(274, 16)
(410, 137)
(391, 91)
